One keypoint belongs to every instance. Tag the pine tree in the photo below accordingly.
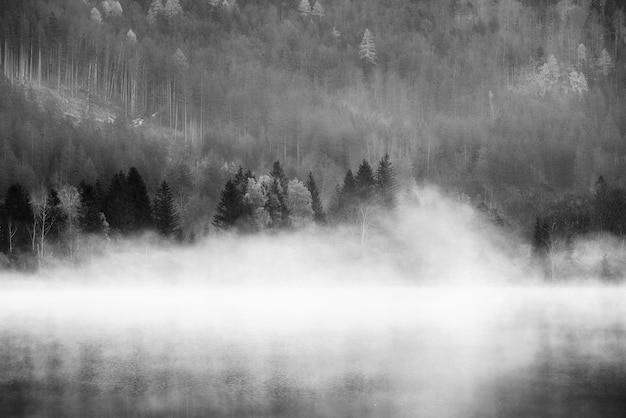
(139, 201)
(166, 217)
(367, 48)
(345, 197)
(230, 208)
(156, 9)
(316, 203)
(386, 182)
(365, 182)
(541, 238)
(117, 205)
(275, 206)
(278, 173)
(89, 218)
(172, 9)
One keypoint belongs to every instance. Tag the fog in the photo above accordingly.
(432, 312)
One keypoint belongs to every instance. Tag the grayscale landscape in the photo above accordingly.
(312, 208)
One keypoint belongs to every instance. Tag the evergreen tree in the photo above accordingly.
(541, 238)
(90, 216)
(139, 200)
(365, 182)
(345, 197)
(156, 9)
(166, 217)
(316, 203)
(230, 208)
(117, 204)
(367, 48)
(386, 182)
(278, 173)
(275, 206)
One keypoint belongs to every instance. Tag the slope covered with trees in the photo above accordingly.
(517, 104)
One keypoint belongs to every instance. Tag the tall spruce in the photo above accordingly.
(345, 197)
(276, 197)
(117, 204)
(316, 203)
(365, 182)
(139, 201)
(166, 217)
(278, 173)
(230, 207)
(90, 218)
(386, 184)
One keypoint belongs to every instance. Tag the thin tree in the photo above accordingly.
(166, 216)
(367, 48)
(230, 207)
(316, 203)
(139, 200)
(70, 206)
(365, 182)
(386, 184)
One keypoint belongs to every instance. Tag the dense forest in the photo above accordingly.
(516, 104)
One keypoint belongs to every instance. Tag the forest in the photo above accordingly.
(513, 105)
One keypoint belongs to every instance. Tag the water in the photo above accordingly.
(326, 351)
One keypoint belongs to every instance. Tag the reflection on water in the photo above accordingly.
(325, 352)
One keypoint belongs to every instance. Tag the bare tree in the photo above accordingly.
(43, 221)
(70, 205)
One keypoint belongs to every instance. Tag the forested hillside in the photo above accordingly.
(518, 104)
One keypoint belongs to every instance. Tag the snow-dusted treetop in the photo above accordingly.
(367, 48)
(304, 8)
(111, 8)
(95, 15)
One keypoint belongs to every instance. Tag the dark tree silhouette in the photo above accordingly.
(316, 204)
(230, 207)
(166, 216)
(279, 174)
(117, 204)
(345, 196)
(90, 219)
(386, 183)
(365, 182)
(139, 200)
(541, 238)
(275, 205)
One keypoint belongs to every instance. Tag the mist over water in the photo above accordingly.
(431, 313)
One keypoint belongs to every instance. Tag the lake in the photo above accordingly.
(191, 351)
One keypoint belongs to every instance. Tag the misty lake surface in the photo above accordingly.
(316, 352)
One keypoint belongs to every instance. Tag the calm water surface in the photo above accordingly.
(319, 352)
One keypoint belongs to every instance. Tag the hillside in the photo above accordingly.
(517, 104)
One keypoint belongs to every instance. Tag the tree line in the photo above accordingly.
(570, 217)
(33, 224)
